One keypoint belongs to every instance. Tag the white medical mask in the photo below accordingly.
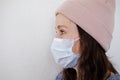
(62, 52)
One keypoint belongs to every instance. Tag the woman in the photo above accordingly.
(83, 35)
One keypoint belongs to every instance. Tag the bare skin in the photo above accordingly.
(66, 29)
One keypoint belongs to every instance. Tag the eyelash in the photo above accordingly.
(62, 32)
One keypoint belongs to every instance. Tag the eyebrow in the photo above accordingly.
(59, 26)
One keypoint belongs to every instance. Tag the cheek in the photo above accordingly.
(73, 33)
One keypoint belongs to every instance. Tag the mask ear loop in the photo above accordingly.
(77, 39)
(78, 55)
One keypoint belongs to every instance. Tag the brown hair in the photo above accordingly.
(67, 74)
(93, 63)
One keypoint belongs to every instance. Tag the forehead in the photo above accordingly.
(62, 20)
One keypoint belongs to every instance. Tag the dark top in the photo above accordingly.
(113, 77)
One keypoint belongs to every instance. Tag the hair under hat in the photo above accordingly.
(96, 17)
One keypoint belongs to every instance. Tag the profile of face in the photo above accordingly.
(66, 29)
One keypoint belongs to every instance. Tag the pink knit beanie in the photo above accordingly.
(96, 17)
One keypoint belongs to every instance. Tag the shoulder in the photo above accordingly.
(114, 77)
(59, 76)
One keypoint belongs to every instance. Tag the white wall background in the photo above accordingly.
(26, 32)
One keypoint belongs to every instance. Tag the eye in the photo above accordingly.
(62, 32)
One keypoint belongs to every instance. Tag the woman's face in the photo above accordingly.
(66, 29)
